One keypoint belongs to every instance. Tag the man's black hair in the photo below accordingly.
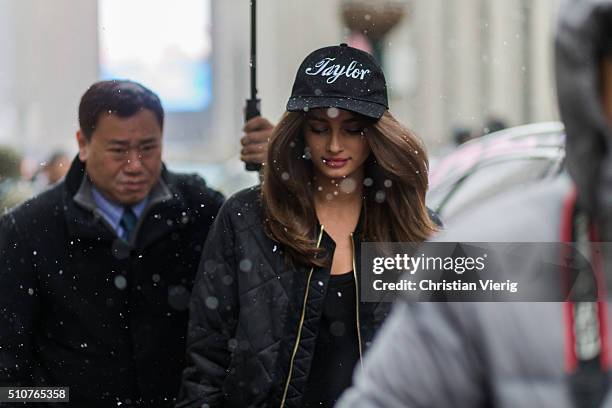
(123, 98)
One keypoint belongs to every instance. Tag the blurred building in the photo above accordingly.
(448, 62)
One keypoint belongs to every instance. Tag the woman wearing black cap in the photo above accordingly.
(276, 318)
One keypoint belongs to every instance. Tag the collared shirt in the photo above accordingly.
(112, 212)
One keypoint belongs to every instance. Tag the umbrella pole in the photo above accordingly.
(253, 103)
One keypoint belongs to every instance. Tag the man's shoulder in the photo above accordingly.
(192, 187)
(189, 182)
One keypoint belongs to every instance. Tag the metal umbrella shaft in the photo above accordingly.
(252, 104)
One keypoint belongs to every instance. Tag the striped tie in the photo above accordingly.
(128, 223)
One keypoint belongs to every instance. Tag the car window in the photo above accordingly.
(491, 179)
(437, 195)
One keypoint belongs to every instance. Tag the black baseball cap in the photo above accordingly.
(340, 77)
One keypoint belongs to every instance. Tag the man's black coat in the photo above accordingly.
(79, 307)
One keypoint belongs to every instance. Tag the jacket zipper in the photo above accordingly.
(357, 304)
(299, 333)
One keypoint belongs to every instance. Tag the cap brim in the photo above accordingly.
(369, 109)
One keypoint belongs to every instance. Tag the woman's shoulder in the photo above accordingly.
(243, 209)
(249, 198)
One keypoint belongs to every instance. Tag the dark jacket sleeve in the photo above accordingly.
(213, 317)
(18, 306)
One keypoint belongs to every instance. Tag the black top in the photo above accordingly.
(337, 348)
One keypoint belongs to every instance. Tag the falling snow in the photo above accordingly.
(120, 282)
(333, 113)
(212, 302)
(245, 265)
(348, 185)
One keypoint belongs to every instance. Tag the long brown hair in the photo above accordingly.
(395, 184)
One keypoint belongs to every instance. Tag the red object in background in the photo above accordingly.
(361, 42)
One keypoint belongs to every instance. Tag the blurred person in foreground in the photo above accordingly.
(95, 273)
(275, 316)
(13, 189)
(521, 354)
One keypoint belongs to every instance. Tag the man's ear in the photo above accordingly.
(83, 145)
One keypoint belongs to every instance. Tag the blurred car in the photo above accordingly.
(495, 163)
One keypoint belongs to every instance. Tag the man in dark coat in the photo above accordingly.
(95, 274)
